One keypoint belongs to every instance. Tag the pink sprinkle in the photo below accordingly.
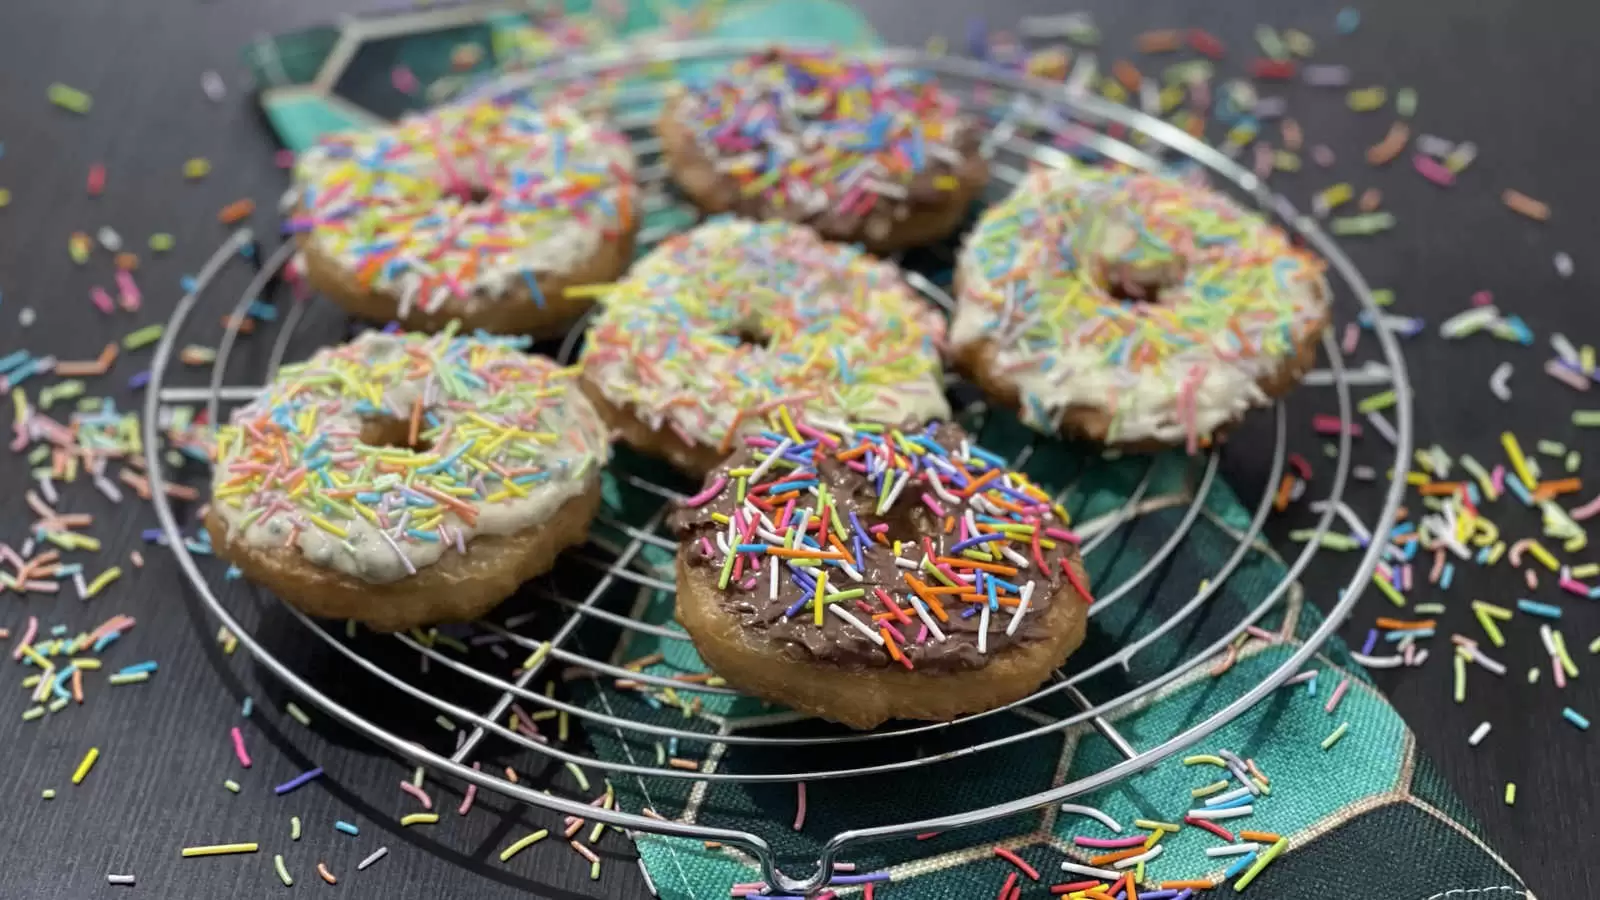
(1575, 587)
(27, 637)
(1338, 694)
(1557, 672)
(1108, 843)
(1587, 510)
(101, 299)
(1352, 334)
(413, 790)
(131, 298)
(1405, 577)
(1262, 633)
(1438, 566)
(97, 179)
(284, 159)
(800, 806)
(1482, 298)
(1325, 423)
(1322, 155)
(705, 496)
(1063, 535)
(466, 801)
(403, 80)
(1566, 376)
(238, 747)
(1497, 478)
(1433, 170)
(933, 504)
(1531, 578)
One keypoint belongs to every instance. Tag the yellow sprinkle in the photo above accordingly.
(523, 843)
(327, 526)
(589, 291)
(1204, 758)
(220, 849)
(1209, 789)
(1149, 824)
(1511, 793)
(33, 713)
(1543, 555)
(536, 656)
(1518, 461)
(86, 765)
(101, 580)
(1388, 590)
(419, 819)
(946, 182)
(41, 662)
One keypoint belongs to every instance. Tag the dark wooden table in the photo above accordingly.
(1511, 75)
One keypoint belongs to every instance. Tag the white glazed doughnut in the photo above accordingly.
(1133, 309)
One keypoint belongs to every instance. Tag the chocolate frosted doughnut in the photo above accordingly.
(860, 151)
(862, 573)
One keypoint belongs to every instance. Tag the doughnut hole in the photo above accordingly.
(388, 431)
(1144, 282)
(749, 332)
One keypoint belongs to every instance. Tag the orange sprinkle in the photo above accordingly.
(1439, 488)
(1163, 41)
(1550, 489)
(987, 477)
(1281, 502)
(1522, 203)
(1127, 74)
(975, 564)
(322, 869)
(1108, 858)
(803, 553)
(127, 262)
(416, 422)
(1265, 837)
(235, 211)
(77, 685)
(1198, 884)
(1386, 622)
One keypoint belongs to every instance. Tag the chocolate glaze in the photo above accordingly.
(909, 519)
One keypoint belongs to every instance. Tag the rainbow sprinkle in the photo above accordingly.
(820, 136)
(467, 201)
(901, 546)
(484, 439)
(730, 320)
(1161, 303)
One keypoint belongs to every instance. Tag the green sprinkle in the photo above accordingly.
(298, 714)
(594, 870)
(1376, 402)
(1383, 297)
(143, 337)
(445, 723)
(1511, 793)
(1331, 540)
(199, 167)
(231, 785)
(1271, 45)
(33, 713)
(1551, 448)
(129, 677)
(49, 793)
(1371, 223)
(1574, 459)
(294, 828)
(1586, 418)
(1367, 99)
(1337, 735)
(1299, 43)
(1428, 609)
(579, 776)
(69, 98)
(1533, 675)
(5, 198)
(161, 242)
(1261, 863)
(1405, 102)
(283, 871)
(1285, 161)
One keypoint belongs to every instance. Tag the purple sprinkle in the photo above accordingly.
(297, 781)
(153, 536)
(980, 539)
(1372, 640)
(137, 382)
(858, 879)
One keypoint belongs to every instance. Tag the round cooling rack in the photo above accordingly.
(1031, 121)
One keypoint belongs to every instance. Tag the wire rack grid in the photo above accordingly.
(1029, 117)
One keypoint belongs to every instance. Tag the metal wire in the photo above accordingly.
(1034, 105)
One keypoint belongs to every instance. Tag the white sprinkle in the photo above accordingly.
(1232, 849)
(1563, 265)
(1022, 608)
(1091, 871)
(782, 448)
(1232, 813)
(772, 589)
(120, 879)
(1478, 734)
(26, 317)
(1492, 665)
(1377, 662)
(1548, 639)
(1095, 814)
(377, 854)
(983, 629)
(109, 239)
(1132, 861)
(77, 582)
(1421, 657)
(922, 613)
(1364, 473)
(1229, 797)
(1351, 520)
(47, 487)
(1497, 382)
(1468, 321)
(106, 488)
(1433, 145)
(404, 560)
(860, 626)
(1564, 348)
(211, 83)
(1057, 26)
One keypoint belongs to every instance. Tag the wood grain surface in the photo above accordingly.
(1512, 75)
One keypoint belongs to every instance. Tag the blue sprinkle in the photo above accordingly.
(346, 827)
(136, 668)
(188, 284)
(1447, 576)
(247, 707)
(233, 574)
(1347, 20)
(1239, 865)
(1577, 719)
(1535, 608)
